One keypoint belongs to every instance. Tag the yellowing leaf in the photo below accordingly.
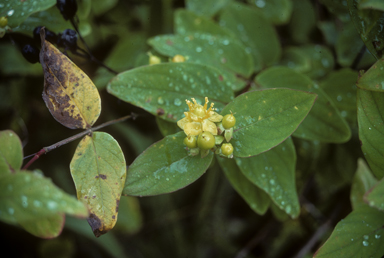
(98, 170)
(69, 94)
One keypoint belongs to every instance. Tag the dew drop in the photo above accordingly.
(272, 182)
(199, 49)
(288, 209)
(11, 211)
(177, 102)
(1, 5)
(377, 236)
(51, 205)
(366, 237)
(10, 12)
(226, 42)
(344, 113)
(339, 98)
(260, 3)
(160, 100)
(365, 243)
(167, 179)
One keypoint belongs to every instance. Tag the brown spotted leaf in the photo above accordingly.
(98, 170)
(69, 94)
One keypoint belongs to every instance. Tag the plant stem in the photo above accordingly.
(74, 137)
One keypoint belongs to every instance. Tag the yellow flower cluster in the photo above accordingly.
(199, 119)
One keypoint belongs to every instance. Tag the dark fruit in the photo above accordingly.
(30, 53)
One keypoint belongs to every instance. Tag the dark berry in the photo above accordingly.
(49, 35)
(68, 8)
(31, 53)
(68, 40)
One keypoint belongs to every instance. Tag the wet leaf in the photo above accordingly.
(321, 59)
(26, 197)
(370, 106)
(303, 21)
(277, 12)
(256, 198)
(17, 11)
(296, 59)
(50, 18)
(360, 234)
(164, 167)
(372, 4)
(69, 94)
(223, 53)
(373, 79)
(324, 122)
(266, 118)
(340, 86)
(11, 152)
(187, 23)
(362, 182)
(162, 89)
(338, 8)
(98, 169)
(274, 172)
(263, 43)
(369, 24)
(206, 7)
(46, 227)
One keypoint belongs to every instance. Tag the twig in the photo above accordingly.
(74, 137)
(358, 58)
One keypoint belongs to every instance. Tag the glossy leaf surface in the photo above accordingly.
(164, 167)
(362, 182)
(263, 42)
(11, 153)
(266, 118)
(373, 79)
(98, 169)
(27, 196)
(17, 11)
(360, 234)
(221, 52)
(324, 122)
(162, 89)
(372, 4)
(69, 93)
(256, 198)
(274, 172)
(370, 108)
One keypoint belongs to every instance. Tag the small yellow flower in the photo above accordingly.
(199, 119)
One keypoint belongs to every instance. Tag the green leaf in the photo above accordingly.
(372, 4)
(373, 79)
(369, 24)
(263, 43)
(370, 107)
(46, 227)
(277, 12)
(358, 235)
(340, 86)
(161, 89)
(362, 182)
(256, 198)
(100, 7)
(266, 118)
(321, 59)
(17, 11)
(206, 7)
(274, 172)
(164, 167)
(303, 21)
(26, 197)
(296, 59)
(338, 8)
(375, 196)
(223, 53)
(324, 122)
(348, 45)
(167, 128)
(130, 217)
(98, 169)
(13, 62)
(50, 18)
(187, 23)
(11, 152)
(122, 57)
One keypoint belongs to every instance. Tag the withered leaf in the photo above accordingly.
(69, 94)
